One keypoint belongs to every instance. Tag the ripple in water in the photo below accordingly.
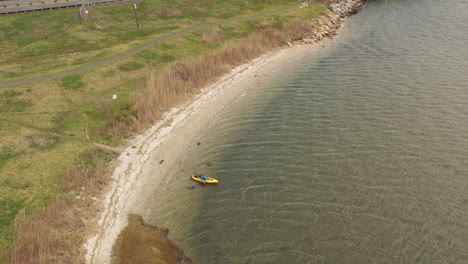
(358, 156)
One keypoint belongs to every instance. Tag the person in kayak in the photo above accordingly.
(202, 178)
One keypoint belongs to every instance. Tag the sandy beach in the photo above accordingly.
(141, 169)
(153, 157)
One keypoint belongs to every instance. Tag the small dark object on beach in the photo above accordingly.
(198, 144)
(161, 161)
(208, 164)
(191, 187)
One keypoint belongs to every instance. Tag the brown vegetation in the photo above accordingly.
(86, 178)
(168, 12)
(53, 234)
(47, 236)
(165, 90)
(212, 37)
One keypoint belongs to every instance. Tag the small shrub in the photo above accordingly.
(212, 37)
(72, 82)
(41, 141)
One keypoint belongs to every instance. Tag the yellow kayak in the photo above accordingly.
(200, 178)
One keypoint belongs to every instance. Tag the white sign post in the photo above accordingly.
(136, 18)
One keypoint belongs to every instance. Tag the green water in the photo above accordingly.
(355, 154)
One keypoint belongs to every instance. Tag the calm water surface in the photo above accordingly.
(355, 154)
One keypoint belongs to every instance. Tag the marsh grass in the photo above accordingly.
(53, 234)
(185, 78)
(47, 236)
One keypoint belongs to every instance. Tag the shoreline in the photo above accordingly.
(150, 158)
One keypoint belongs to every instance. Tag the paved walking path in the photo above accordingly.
(133, 51)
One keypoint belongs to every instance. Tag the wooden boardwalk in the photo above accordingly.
(13, 7)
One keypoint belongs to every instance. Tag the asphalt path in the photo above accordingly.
(138, 49)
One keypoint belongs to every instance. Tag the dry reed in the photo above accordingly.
(165, 90)
(85, 178)
(54, 234)
(211, 37)
(47, 236)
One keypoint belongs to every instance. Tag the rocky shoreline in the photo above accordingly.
(330, 22)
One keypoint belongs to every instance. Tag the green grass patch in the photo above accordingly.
(148, 55)
(130, 66)
(167, 58)
(7, 153)
(8, 211)
(167, 46)
(72, 82)
(11, 94)
(47, 42)
(13, 105)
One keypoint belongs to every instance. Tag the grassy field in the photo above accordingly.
(50, 42)
(46, 128)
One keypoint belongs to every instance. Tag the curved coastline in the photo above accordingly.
(170, 138)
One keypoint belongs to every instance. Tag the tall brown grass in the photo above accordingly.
(211, 37)
(47, 236)
(165, 90)
(54, 234)
(86, 178)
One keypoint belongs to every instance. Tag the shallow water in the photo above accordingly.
(354, 154)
